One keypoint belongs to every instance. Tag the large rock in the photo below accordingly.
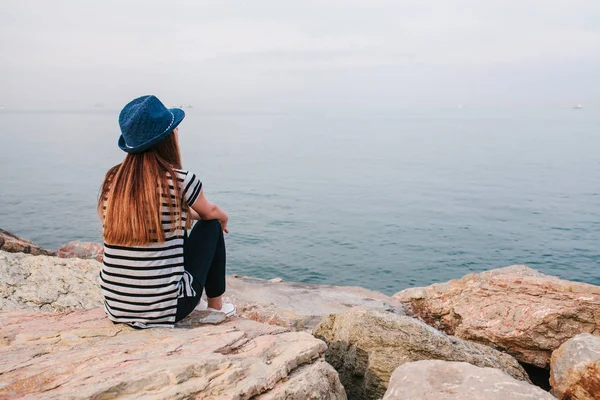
(83, 355)
(14, 244)
(575, 369)
(300, 305)
(366, 346)
(56, 284)
(314, 381)
(443, 380)
(44, 283)
(514, 309)
(79, 249)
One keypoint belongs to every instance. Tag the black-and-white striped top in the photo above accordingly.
(141, 284)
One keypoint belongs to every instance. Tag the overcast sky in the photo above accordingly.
(279, 55)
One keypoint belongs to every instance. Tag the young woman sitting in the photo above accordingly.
(153, 272)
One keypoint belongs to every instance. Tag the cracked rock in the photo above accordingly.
(82, 355)
(365, 346)
(514, 309)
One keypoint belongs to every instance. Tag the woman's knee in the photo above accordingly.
(210, 225)
(215, 224)
(205, 228)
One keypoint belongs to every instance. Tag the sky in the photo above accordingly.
(273, 55)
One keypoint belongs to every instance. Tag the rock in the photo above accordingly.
(514, 309)
(15, 244)
(443, 380)
(366, 346)
(299, 305)
(276, 280)
(314, 381)
(83, 355)
(575, 368)
(79, 249)
(44, 283)
(58, 284)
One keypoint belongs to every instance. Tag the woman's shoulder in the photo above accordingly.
(180, 174)
(184, 175)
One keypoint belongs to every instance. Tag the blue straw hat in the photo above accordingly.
(144, 122)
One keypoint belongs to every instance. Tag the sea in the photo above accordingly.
(385, 200)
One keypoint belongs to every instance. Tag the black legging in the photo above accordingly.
(204, 259)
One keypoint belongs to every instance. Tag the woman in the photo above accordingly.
(153, 272)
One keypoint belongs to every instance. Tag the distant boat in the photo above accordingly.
(578, 107)
(460, 106)
(1, 107)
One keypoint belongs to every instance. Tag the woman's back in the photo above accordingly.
(141, 284)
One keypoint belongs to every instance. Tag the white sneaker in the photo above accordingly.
(202, 305)
(226, 308)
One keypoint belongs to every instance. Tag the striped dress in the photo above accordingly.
(141, 284)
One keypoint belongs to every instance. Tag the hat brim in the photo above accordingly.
(178, 116)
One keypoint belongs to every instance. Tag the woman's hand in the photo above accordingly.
(224, 223)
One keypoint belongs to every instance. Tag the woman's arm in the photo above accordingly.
(207, 210)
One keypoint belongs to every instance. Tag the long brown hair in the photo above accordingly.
(134, 193)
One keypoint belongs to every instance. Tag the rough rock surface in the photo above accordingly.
(45, 283)
(299, 305)
(514, 309)
(79, 249)
(57, 284)
(15, 244)
(443, 380)
(366, 346)
(314, 381)
(575, 368)
(83, 355)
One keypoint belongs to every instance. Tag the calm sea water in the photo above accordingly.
(385, 201)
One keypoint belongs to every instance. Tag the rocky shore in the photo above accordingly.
(478, 337)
